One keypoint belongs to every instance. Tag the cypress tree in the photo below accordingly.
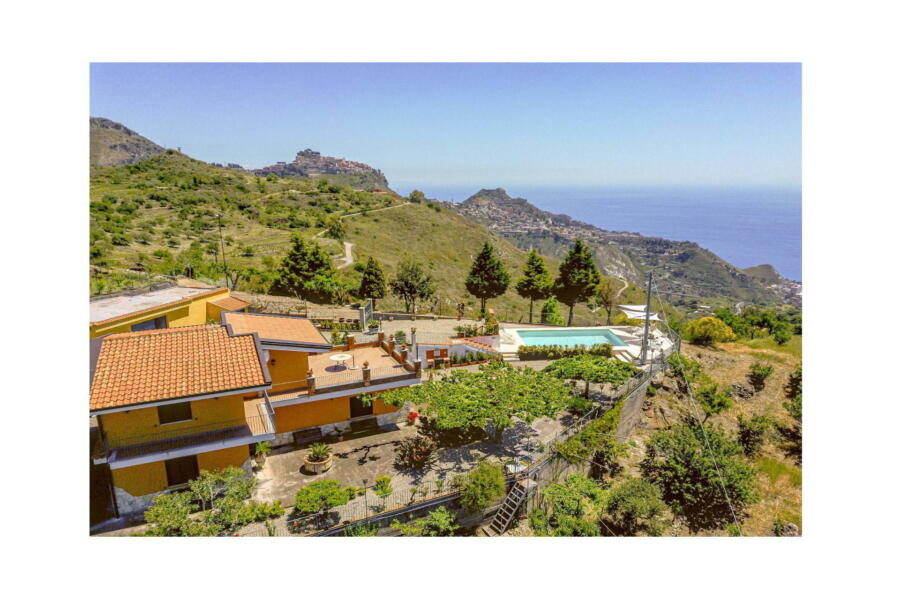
(487, 278)
(536, 283)
(372, 284)
(306, 273)
(578, 276)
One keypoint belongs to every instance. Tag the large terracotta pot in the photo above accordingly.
(318, 467)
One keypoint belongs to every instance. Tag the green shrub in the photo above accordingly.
(438, 523)
(689, 466)
(361, 530)
(635, 507)
(597, 443)
(752, 432)
(713, 400)
(262, 448)
(491, 325)
(416, 452)
(759, 372)
(482, 486)
(554, 352)
(319, 451)
(321, 496)
(466, 330)
(567, 506)
(707, 331)
(383, 487)
(550, 313)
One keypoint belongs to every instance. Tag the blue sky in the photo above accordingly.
(483, 125)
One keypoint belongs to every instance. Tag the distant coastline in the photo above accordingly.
(745, 225)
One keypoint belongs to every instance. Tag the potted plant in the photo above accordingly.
(319, 459)
(260, 452)
(373, 326)
(411, 417)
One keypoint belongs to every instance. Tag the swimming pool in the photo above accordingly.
(568, 337)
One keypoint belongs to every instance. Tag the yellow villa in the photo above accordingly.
(316, 387)
(172, 402)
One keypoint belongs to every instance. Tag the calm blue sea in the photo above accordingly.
(746, 226)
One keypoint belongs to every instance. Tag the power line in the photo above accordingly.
(712, 456)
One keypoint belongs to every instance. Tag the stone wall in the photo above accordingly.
(632, 412)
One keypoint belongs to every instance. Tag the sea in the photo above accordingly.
(745, 225)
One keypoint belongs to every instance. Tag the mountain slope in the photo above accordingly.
(680, 267)
(113, 144)
(158, 217)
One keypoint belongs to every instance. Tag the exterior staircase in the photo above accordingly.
(510, 356)
(517, 494)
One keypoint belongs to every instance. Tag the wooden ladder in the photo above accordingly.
(517, 494)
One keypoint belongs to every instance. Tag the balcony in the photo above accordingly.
(257, 425)
(369, 365)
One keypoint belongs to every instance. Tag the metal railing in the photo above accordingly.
(183, 437)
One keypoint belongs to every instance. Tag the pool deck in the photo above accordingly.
(631, 337)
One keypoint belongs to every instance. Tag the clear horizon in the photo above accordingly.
(451, 124)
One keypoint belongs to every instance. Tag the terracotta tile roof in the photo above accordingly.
(275, 327)
(231, 303)
(163, 364)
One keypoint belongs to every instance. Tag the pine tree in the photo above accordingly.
(536, 283)
(306, 273)
(487, 278)
(372, 284)
(578, 276)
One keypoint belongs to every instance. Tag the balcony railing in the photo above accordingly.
(164, 440)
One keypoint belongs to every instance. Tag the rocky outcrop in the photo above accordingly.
(113, 144)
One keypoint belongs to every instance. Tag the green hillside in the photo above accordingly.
(159, 218)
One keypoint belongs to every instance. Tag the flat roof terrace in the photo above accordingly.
(329, 373)
(113, 307)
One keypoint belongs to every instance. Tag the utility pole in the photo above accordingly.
(644, 343)
(222, 242)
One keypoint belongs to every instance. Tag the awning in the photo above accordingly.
(641, 315)
(640, 307)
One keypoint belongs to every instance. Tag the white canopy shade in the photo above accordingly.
(640, 307)
(634, 314)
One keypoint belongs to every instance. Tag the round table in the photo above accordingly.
(341, 358)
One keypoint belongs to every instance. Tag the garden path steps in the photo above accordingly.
(517, 494)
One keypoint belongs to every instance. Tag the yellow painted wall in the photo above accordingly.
(289, 370)
(219, 459)
(145, 421)
(192, 312)
(380, 408)
(151, 477)
(141, 479)
(322, 412)
(214, 313)
(311, 414)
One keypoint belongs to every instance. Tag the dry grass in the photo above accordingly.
(780, 478)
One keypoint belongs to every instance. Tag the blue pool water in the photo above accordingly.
(569, 337)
